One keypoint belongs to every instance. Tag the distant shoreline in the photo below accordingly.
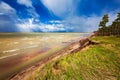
(17, 34)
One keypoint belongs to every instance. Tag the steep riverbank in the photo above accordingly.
(74, 47)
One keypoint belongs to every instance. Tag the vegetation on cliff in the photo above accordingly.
(96, 62)
(112, 29)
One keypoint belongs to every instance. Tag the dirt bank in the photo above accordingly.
(72, 48)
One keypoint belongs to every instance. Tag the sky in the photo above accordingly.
(55, 15)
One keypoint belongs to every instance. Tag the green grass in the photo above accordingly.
(96, 62)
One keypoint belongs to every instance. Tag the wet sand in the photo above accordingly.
(12, 62)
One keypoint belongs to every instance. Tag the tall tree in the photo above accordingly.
(105, 19)
(118, 18)
(113, 29)
(116, 25)
(102, 25)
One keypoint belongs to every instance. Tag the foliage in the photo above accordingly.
(104, 21)
(113, 29)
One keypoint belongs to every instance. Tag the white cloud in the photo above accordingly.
(66, 8)
(61, 8)
(7, 17)
(73, 23)
(89, 24)
(84, 24)
(27, 25)
(112, 17)
(27, 3)
(6, 9)
(30, 25)
(33, 13)
(52, 27)
(56, 21)
(30, 9)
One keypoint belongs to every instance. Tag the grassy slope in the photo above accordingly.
(96, 62)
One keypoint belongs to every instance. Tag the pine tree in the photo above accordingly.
(102, 25)
(104, 21)
(113, 29)
(116, 25)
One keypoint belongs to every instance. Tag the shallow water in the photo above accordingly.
(21, 50)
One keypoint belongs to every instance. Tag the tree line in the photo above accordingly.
(112, 29)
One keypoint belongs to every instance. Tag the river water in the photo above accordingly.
(21, 50)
